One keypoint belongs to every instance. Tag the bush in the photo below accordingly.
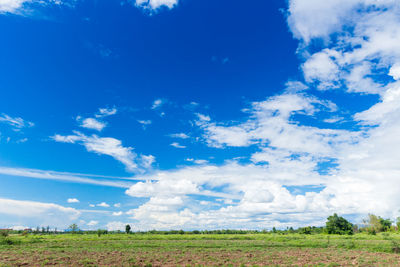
(305, 230)
(338, 225)
(101, 232)
(376, 224)
(4, 233)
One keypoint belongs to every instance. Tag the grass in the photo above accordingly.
(199, 250)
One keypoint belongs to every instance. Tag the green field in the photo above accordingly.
(200, 250)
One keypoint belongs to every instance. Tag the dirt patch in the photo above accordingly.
(196, 257)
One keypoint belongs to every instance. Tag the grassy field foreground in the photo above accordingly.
(195, 250)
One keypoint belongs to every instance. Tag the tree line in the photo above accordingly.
(335, 224)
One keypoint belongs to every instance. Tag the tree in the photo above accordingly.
(127, 228)
(398, 223)
(338, 225)
(376, 224)
(74, 228)
(101, 232)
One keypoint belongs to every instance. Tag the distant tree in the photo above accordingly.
(398, 223)
(305, 230)
(274, 229)
(338, 225)
(74, 228)
(101, 232)
(48, 229)
(375, 224)
(4, 233)
(127, 228)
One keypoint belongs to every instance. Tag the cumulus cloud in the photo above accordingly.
(72, 200)
(116, 226)
(155, 4)
(91, 123)
(284, 183)
(11, 5)
(272, 123)
(103, 204)
(36, 213)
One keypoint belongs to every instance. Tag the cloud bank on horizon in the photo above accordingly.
(301, 166)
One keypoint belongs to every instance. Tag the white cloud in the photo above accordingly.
(92, 223)
(23, 6)
(164, 187)
(102, 145)
(177, 145)
(15, 122)
(91, 123)
(36, 213)
(117, 213)
(103, 204)
(147, 161)
(157, 104)
(21, 141)
(104, 112)
(321, 67)
(179, 135)
(12, 6)
(272, 123)
(333, 119)
(117, 205)
(200, 161)
(65, 176)
(116, 226)
(155, 4)
(203, 118)
(310, 19)
(144, 122)
(72, 200)
(395, 71)
(19, 228)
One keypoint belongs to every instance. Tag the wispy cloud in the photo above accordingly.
(180, 135)
(102, 145)
(157, 103)
(68, 177)
(104, 112)
(177, 145)
(15, 122)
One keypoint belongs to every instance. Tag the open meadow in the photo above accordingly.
(200, 250)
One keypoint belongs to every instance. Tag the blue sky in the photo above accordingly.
(190, 114)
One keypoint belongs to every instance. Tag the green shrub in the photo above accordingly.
(4, 233)
(338, 225)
